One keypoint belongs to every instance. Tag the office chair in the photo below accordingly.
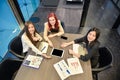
(63, 24)
(22, 31)
(15, 47)
(105, 61)
(8, 68)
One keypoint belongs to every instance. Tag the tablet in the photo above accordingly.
(57, 52)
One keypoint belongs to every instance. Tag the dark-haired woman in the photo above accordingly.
(52, 28)
(30, 38)
(91, 44)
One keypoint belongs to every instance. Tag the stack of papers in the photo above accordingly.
(33, 61)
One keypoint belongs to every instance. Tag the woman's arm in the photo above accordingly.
(79, 40)
(26, 40)
(45, 35)
(91, 52)
(61, 30)
(67, 44)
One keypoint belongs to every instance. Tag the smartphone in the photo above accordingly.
(64, 37)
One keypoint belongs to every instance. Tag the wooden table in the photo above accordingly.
(47, 71)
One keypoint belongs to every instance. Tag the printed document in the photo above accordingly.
(33, 61)
(74, 66)
(62, 69)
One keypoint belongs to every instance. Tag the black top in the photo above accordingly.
(54, 30)
(92, 49)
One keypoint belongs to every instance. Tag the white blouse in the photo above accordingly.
(26, 43)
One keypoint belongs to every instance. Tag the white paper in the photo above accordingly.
(62, 69)
(33, 61)
(74, 66)
(43, 47)
(79, 49)
(75, 47)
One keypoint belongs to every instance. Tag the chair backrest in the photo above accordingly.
(15, 46)
(105, 58)
(63, 24)
(22, 31)
(8, 67)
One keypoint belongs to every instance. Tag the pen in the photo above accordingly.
(43, 48)
(66, 68)
(60, 67)
(68, 71)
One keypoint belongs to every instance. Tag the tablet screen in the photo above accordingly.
(57, 52)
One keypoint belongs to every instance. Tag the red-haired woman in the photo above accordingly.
(52, 28)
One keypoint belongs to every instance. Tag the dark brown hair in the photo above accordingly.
(28, 33)
(97, 34)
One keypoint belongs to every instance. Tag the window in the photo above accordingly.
(9, 26)
(28, 7)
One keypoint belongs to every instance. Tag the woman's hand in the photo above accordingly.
(71, 51)
(64, 45)
(51, 35)
(48, 57)
(50, 44)
(67, 44)
(35, 38)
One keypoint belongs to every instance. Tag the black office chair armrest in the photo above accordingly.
(17, 55)
(101, 69)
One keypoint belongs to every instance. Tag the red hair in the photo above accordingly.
(56, 23)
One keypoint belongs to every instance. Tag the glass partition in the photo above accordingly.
(9, 26)
(28, 7)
